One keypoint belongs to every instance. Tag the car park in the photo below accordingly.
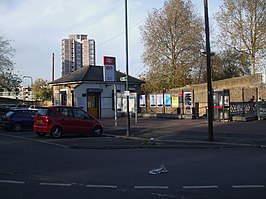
(59, 120)
(18, 119)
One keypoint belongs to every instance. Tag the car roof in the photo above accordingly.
(59, 107)
(20, 109)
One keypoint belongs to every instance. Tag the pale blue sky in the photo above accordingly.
(37, 28)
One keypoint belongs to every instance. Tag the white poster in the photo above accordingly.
(153, 100)
(142, 101)
(159, 100)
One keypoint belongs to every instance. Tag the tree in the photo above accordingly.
(173, 39)
(8, 79)
(41, 90)
(242, 25)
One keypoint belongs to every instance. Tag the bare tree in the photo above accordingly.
(172, 38)
(242, 25)
(8, 80)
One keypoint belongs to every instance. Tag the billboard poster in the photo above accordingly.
(109, 68)
(167, 100)
(159, 100)
(188, 98)
(153, 100)
(175, 100)
(188, 102)
(142, 101)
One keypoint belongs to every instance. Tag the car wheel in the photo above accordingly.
(56, 132)
(97, 131)
(17, 127)
(41, 134)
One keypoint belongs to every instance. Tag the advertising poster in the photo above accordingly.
(226, 101)
(188, 102)
(188, 98)
(167, 100)
(159, 100)
(175, 100)
(153, 100)
(142, 101)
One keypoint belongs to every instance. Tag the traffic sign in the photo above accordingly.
(123, 79)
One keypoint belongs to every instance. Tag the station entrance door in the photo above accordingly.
(93, 100)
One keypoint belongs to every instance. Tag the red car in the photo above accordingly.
(59, 120)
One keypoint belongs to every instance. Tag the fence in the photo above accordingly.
(242, 109)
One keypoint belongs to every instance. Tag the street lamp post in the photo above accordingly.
(127, 87)
(209, 73)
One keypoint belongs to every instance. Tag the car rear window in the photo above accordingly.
(46, 112)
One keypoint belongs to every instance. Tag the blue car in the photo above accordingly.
(18, 119)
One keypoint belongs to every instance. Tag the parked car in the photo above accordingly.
(22, 106)
(59, 120)
(18, 119)
(10, 106)
(34, 107)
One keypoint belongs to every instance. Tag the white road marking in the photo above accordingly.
(11, 182)
(247, 186)
(201, 187)
(55, 184)
(101, 186)
(151, 187)
(35, 140)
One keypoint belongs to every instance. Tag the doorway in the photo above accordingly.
(93, 104)
(63, 98)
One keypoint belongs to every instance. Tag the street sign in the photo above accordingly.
(123, 79)
(109, 68)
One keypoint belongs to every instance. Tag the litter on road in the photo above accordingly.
(159, 170)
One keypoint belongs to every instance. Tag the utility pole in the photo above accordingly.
(53, 68)
(127, 87)
(53, 79)
(209, 73)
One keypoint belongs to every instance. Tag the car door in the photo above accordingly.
(84, 121)
(23, 118)
(28, 119)
(67, 121)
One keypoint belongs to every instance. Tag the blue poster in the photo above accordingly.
(167, 99)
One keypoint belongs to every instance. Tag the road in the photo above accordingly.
(33, 167)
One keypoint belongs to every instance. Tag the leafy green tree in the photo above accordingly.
(173, 38)
(41, 90)
(8, 79)
(242, 25)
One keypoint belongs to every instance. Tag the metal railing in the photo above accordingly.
(242, 108)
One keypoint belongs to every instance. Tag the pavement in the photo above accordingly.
(179, 133)
(159, 133)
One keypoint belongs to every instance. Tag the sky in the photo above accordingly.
(36, 28)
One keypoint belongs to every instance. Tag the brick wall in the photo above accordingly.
(240, 88)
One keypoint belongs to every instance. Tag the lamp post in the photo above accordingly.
(31, 84)
(209, 73)
(127, 87)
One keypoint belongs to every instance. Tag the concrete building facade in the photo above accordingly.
(77, 51)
